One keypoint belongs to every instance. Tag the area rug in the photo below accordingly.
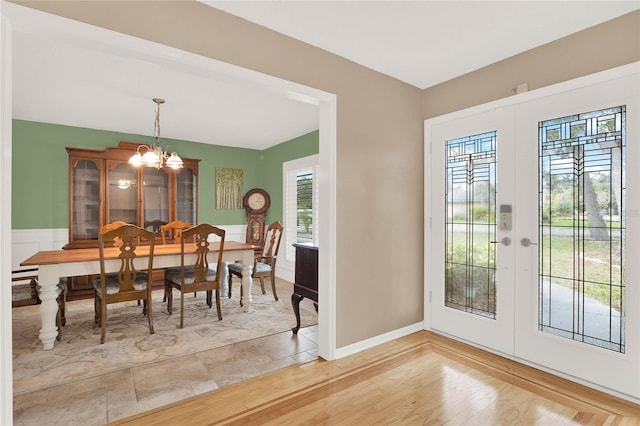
(128, 343)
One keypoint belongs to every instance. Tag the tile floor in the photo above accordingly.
(112, 396)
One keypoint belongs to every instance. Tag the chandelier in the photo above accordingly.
(154, 155)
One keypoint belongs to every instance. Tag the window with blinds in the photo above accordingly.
(301, 203)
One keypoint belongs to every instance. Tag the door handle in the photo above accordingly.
(506, 241)
(527, 242)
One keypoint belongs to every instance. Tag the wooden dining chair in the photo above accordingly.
(265, 265)
(154, 226)
(111, 226)
(108, 227)
(196, 275)
(128, 284)
(174, 229)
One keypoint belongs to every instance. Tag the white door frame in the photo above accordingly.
(431, 190)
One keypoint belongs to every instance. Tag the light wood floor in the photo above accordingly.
(418, 379)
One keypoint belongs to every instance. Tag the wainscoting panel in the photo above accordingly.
(26, 242)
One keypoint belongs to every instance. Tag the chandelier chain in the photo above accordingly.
(156, 128)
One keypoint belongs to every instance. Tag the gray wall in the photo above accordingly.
(605, 46)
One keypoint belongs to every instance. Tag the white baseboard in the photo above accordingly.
(377, 340)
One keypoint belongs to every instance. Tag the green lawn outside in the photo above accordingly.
(592, 269)
(558, 259)
(569, 222)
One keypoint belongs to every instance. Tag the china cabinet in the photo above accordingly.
(104, 187)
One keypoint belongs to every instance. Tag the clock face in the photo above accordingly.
(256, 201)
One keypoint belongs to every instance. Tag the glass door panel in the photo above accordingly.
(155, 188)
(186, 196)
(471, 224)
(86, 200)
(582, 227)
(122, 190)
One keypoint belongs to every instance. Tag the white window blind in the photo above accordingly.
(301, 203)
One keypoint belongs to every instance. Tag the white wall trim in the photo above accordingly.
(6, 343)
(378, 340)
(26, 242)
(327, 291)
(234, 232)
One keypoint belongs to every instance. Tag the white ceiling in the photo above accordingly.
(426, 42)
(420, 42)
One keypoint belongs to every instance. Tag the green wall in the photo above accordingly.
(40, 170)
(272, 159)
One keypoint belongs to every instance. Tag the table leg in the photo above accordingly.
(295, 303)
(224, 279)
(48, 293)
(247, 281)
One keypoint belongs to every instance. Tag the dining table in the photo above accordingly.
(54, 264)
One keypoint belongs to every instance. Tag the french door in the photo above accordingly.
(533, 229)
(468, 156)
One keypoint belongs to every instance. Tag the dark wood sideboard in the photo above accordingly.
(306, 279)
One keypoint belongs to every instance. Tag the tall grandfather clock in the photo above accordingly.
(256, 202)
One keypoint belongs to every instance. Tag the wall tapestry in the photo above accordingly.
(228, 189)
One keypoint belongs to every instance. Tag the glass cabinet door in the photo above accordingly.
(155, 187)
(85, 203)
(186, 196)
(104, 188)
(122, 191)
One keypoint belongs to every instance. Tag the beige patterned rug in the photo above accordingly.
(128, 343)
